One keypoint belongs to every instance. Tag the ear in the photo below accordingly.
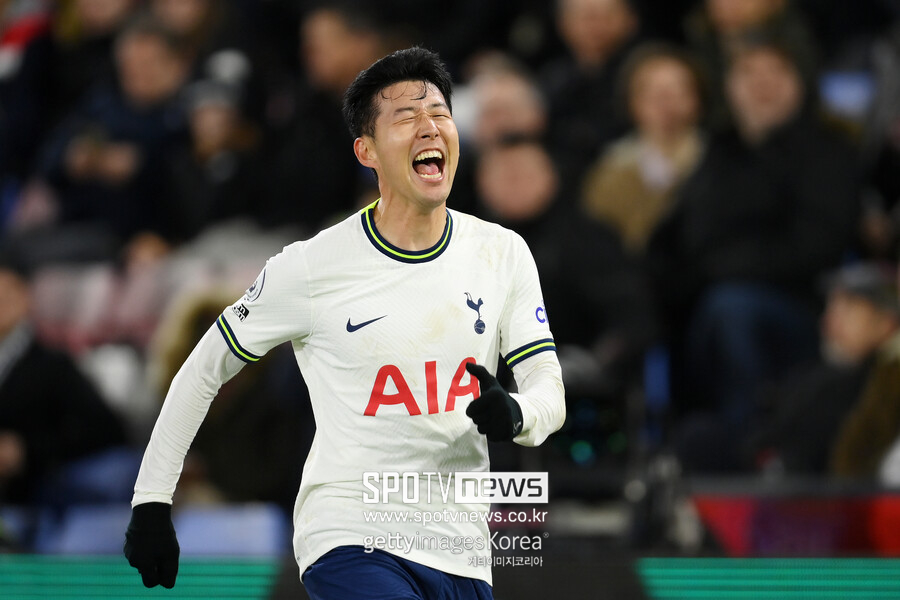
(364, 148)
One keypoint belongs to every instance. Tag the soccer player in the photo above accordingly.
(397, 316)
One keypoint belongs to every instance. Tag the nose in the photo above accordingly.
(428, 128)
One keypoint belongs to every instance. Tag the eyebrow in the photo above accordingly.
(413, 109)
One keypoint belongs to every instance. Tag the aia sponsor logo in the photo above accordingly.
(461, 385)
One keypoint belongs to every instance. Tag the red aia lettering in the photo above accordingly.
(404, 394)
(457, 389)
(431, 386)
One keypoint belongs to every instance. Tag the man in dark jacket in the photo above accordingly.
(835, 410)
(595, 296)
(770, 209)
(580, 87)
(314, 179)
(104, 160)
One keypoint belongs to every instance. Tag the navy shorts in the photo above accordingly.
(349, 573)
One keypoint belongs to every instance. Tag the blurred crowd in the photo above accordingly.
(710, 189)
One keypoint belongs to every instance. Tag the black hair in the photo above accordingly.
(791, 54)
(356, 16)
(765, 41)
(411, 64)
(146, 24)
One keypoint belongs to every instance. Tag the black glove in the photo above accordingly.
(495, 412)
(150, 544)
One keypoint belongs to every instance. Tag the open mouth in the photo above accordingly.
(429, 164)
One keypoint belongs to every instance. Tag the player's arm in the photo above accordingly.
(197, 382)
(527, 347)
(242, 334)
(150, 543)
(542, 398)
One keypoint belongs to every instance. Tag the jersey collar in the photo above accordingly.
(407, 256)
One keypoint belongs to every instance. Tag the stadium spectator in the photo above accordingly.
(72, 56)
(314, 176)
(801, 417)
(467, 27)
(505, 101)
(220, 47)
(630, 188)
(52, 419)
(863, 443)
(105, 160)
(202, 25)
(881, 152)
(25, 52)
(770, 208)
(580, 87)
(216, 175)
(594, 295)
(720, 28)
(83, 49)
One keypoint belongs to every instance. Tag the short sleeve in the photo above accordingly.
(274, 309)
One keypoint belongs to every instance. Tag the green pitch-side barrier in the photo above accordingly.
(64, 577)
(770, 578)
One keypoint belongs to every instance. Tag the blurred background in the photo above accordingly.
(711, 191)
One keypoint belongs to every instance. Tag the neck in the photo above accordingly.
(669, 143)
(410, 227)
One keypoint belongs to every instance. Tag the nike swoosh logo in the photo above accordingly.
(351, 327)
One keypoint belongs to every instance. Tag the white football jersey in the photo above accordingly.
(382, 337)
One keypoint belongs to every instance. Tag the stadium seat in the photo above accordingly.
(260, 530)
(90, 529)
(657, 384)
(19, 526)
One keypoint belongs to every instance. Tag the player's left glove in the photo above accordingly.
(151, 546)
(495, 412)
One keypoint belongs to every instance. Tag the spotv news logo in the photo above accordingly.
(467, 487)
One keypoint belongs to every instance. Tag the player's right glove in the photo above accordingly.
(495, 412)
(150, 544)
